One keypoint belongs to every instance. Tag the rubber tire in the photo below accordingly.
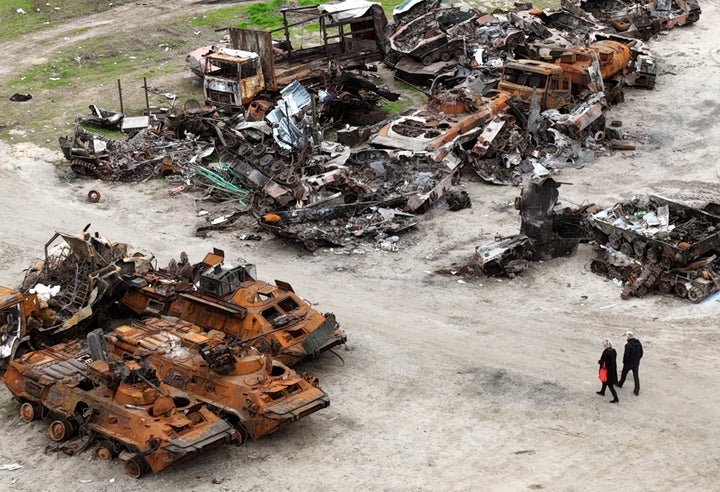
(136, 466)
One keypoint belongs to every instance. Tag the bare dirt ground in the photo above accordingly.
(482, 385)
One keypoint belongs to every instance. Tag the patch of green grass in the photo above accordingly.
(219, 18)
(65, 71)
(105, 132)
(10, 408)
(39, 14)
(395, 107)
(261, 15)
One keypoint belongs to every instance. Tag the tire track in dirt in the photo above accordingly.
(38, 46)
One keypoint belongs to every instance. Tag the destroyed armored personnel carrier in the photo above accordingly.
(64, 294)
(230, 299)
(655, 243)
(252, 391)
(120, 405)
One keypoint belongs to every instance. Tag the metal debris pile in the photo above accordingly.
(147, 154)
(511, 96)
(547, 231)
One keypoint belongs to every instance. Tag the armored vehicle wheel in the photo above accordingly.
(445, 56)
(653, 255)
(136, 466)
(103, 171)
(665, 286)
(615, 240)
(695, 294)
(29, 411)
(146, 170)
(78, 167)
(627, 249)
(639, 248)
(311, 245)
(680, 290)
(60, 430)
(598, 267)
(427, 60)
(105, 450)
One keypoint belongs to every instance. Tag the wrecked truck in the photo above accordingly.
(230, 299)
(63, 295)
(251, 390)
(231, 78)
(121, 406)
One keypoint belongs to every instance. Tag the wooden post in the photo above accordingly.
(287, 35)
(147, 99)
(122, 108)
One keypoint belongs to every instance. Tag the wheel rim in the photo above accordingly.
(58, 430)
(93, 196)
(103, 452)
(27, 412)
(133, 467)
(695, 294)
(665, 286)
(680, 290)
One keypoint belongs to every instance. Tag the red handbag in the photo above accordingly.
(603, 373)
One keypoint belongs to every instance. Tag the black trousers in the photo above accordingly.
(636, 378)
(612, 390)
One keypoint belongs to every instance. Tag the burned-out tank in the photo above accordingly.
(256, 393)
(120, 405)
(657, 244)
(229, 298)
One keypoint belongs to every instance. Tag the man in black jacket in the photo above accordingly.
(631, 360)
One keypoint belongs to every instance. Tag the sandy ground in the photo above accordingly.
(445, 385)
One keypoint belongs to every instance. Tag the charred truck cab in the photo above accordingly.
(549, 81)
(231, 78)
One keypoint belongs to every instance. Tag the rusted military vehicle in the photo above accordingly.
(251, 390)
(657, 244)
(229, 298)
(64, 294)
(120, 405)
(567, 73)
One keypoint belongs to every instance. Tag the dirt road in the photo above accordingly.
(483, 385)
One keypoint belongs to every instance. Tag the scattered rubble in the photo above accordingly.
(526, 93)
(547, 231)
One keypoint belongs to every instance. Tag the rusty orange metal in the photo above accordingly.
(427, 129)
(121, 404)
(613, 57)
(256, 393)
(231, 300)
(523, 77)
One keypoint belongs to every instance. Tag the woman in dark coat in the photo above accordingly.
(609, 357)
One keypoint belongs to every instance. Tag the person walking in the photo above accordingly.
(631, 361)
(609, 359)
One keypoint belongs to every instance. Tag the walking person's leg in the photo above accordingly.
(614, 393)
(623, 375)
(602, 390)
(636, 379)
